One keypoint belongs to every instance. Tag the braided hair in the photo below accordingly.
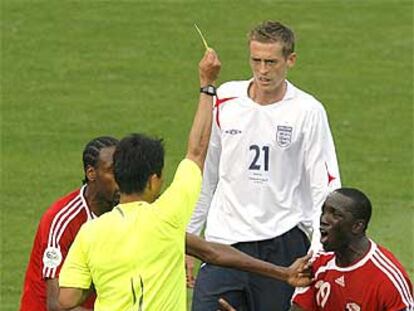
(91, 152)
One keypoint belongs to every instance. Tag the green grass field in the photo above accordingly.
(72, 70)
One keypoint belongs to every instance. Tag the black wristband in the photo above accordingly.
(209, 90)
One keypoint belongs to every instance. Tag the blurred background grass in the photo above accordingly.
(73, 70)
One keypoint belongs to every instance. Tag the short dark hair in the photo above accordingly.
(360, 207)
(136, 158)
(92, 149)
(272, 31)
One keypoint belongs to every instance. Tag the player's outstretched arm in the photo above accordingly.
(209, 68)
(223, 255)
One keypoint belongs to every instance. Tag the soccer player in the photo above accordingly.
(61, 222)
(271, 163)
(354, 273)
(135, 254)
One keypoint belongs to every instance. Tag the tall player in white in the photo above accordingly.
(270, 165)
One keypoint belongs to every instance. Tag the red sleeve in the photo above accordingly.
(305, 298)
(89, 302)
(396, 289)
(58, 230)
(393, 298)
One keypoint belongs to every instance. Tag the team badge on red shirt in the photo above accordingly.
(52, 257)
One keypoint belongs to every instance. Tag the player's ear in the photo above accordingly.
(291, 60)
(153, 182)
(359, 226)
(90, 173)
(150, 184)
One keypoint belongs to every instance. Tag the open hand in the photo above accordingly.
(299, 272)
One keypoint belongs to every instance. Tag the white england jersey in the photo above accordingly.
(269, 168)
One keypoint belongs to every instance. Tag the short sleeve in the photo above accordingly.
(396, 295)
(304, 297)
(57, 235)
(177, 203)
(75, 271)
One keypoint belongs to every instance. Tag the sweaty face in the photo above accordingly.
(336, 224)
(269, 65)
(106, 186)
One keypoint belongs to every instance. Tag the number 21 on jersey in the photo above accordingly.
(260, 159)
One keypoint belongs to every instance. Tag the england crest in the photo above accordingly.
(284, 135)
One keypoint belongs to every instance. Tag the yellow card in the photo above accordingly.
(201, 36)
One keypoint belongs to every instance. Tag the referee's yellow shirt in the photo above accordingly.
(134, 255)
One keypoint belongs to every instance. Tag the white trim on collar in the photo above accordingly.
(359, 263)
(89, 212)
(290, 90)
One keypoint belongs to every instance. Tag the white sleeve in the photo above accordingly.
(321, 168)
(210, 180)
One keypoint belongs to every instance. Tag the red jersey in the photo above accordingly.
(377, 282)
(56, 231)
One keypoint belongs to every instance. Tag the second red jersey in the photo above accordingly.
(56, 231)
(377, 282)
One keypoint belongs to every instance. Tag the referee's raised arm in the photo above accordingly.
(209, 68)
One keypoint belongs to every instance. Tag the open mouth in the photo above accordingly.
(264, 80)
(324, 235)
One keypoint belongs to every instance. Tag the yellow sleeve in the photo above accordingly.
(177, 203)
(75, 271)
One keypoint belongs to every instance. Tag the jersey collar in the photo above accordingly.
(91, 215)
(360, 262)
(290, 90)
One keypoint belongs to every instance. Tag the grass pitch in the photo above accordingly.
(72, 70)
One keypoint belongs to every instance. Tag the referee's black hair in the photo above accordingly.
(136, 158)
(92, 149)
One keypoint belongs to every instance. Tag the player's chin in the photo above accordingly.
(115, 199)
(327, 246)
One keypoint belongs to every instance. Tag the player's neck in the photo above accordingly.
(267, 97)
(96, 205)
(354, 251)
(135, 197)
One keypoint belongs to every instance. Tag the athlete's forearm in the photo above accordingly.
(70, 298)
(227, 256)
(199, 137)
(209, 185)
(200, 132)
(52, 291)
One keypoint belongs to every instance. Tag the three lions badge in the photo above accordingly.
(284, 135)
